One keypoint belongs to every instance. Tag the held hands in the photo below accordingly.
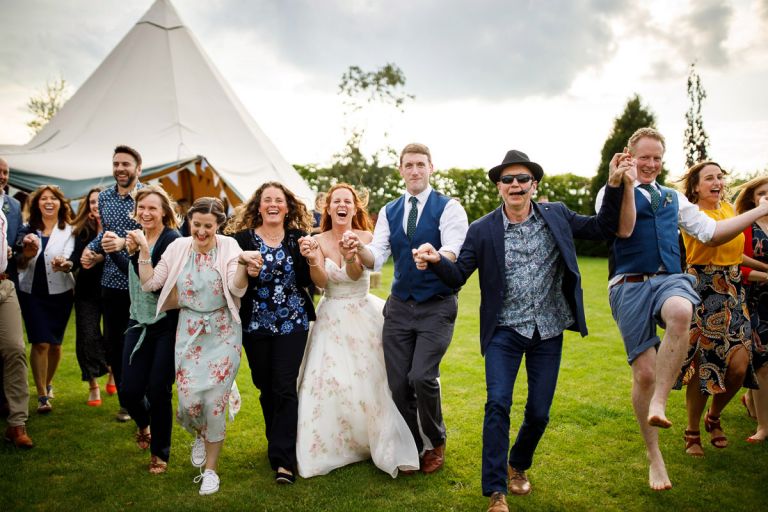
(61, 264)
(252, 261)
(425, 255)
(88, 259)
(310, 249)
(30, 245)
(622, 167)
(135, 240)
(110, 242)
(348, 245)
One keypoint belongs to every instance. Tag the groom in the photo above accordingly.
(420, 312)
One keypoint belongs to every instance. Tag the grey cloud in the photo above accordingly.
(447, 49)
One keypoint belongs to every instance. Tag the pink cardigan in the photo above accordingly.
(172, 263)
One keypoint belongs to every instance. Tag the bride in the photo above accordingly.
(346, 412)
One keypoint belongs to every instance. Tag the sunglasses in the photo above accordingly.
(507, 179)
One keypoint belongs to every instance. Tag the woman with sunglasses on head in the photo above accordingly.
(755, 271)
(276, 312)
(719, 356)
(45, 284)
(204, 275)
(346, 411)
(89, 341)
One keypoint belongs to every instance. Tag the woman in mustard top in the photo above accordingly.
(719, 357)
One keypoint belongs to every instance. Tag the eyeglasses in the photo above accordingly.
(507, 179)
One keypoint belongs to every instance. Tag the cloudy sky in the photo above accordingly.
(547, 77)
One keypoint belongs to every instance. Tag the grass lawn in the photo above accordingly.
(591, 457)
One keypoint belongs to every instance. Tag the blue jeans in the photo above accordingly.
(502, 361)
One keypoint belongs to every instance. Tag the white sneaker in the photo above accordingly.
(198, 456)
(210, 482)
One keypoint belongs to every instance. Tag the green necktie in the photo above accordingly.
(411, 229)
(655, 196)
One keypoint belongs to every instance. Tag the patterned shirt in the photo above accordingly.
(533, 269)
(279, 307)
(116, 215)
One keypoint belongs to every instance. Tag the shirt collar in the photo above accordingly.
(421, 196)
(653, 184)
(532, 215)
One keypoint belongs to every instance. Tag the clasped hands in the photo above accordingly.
(30, 247)
(348, 246)
(622, 167)
(252, 261)
(425, 255)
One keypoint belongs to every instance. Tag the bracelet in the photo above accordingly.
(241, 262)
(147, 261)
(311, 265)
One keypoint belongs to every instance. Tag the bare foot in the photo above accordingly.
(659, 420)
(758, 437)
(657, 477)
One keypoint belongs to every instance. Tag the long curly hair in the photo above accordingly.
(83, 222)
(247, 215)
(361, 220)
(36, 216)
(746, 199)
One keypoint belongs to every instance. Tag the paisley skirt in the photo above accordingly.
(720, 325)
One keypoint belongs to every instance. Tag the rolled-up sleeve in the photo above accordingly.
(453, 227)
(693, 221)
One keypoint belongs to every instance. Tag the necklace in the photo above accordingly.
(272, 238)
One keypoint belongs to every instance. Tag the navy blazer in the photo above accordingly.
(483, 249)
(14, 220)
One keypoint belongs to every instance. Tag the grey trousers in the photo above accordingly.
(14, 356)
(415, 338)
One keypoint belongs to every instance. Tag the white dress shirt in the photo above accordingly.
(453, 228)
(690, 219)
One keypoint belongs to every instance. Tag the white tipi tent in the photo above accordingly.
(159, 92)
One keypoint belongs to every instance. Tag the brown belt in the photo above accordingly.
(637, 278)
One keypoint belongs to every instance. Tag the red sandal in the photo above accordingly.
(713, 423)
(693, 438)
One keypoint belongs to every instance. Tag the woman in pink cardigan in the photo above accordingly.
(204, 276)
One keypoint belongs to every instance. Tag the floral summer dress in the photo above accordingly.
(346, 411)
(208, 346)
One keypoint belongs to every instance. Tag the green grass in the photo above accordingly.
(591, 456)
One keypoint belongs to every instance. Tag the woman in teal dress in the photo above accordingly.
(204, 275)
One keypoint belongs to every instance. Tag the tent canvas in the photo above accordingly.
(158, 92)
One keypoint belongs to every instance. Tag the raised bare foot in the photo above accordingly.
(657, 477)
(659, 420)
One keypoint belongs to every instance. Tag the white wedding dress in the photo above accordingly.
(346, 412)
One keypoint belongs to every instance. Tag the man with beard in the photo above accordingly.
(116, 206)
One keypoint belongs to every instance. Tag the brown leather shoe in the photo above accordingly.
(518, 482)
(433, 459)
(18, 436)
(498, 503)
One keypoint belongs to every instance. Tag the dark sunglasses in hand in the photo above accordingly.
(507, 179)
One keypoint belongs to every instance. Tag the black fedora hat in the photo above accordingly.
(512, 157)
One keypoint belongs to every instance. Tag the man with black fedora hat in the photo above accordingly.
(530, 289)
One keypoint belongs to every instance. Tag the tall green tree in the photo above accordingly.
(696, 138)
(43, 106)
(634, 116)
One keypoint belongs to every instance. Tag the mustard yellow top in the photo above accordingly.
(730, 253)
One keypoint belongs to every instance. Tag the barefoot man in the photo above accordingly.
(647, 288)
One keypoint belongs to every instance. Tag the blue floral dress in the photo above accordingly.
(208, 346)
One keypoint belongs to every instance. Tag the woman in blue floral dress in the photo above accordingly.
(276, 312)
(204, 275)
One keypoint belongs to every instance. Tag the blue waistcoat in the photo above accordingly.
(410, 282)
(654, 240)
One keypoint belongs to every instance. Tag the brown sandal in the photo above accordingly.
(143, 439)
(693, 438)
(713, 423)
(157, 465)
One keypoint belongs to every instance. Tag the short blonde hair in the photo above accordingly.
(169, 212)
(648, 132)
